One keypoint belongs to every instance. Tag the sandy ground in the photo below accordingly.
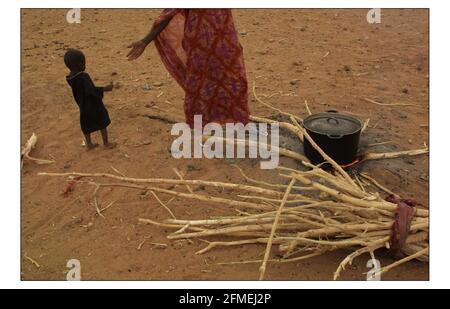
(332, 58)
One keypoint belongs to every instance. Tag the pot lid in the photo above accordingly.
(332, 123)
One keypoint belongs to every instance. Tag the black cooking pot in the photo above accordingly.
(337, 135)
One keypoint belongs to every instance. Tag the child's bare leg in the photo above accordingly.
(106, 143)
(89, 144)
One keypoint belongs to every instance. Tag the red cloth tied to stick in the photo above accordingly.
(200, 49)
(403, 217)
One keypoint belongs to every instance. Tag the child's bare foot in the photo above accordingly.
(91, 146)
(110, 145)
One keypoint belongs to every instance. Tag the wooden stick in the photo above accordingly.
(205, 198)
(261, 218)
(97, 209)
(271, 107)
(32, 261)
(139, 247)
(307, 108)
(389, 104)
(287, 260)
(332, 243)
(282, 151)
(248, 218)
(349, 258)
(30, 144)
(404, 260)
(381, 143)
(378, 205)
(160, 245)
(338, 183)
(377, 184)
(360, 183)
(331, 230)
(262, 198)
(181, 177)
(365, 125)
(359, 202)
(284, 125)
(278, 186)
(163, 205)
(216, 184)
(39, 161)
(391, 155)
(149, 221)
(117, 171)
(214, 244)
(184, 228)
(107, 207)
(412, 249)
(237, 229)
(262, 269)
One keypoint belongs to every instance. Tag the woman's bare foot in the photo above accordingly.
(110, 145)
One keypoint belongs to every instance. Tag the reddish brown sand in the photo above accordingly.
(332, 58)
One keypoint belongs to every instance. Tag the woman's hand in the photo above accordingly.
(137, 48)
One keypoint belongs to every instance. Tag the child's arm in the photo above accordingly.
(109, 87)
(92, 90)
(138, 47)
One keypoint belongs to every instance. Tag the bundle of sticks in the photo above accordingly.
(310, 213)
(316, 212)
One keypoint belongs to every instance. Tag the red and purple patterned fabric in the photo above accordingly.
(201, 50)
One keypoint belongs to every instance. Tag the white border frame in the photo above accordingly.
(439, 114)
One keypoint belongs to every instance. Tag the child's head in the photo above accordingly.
(75, 60)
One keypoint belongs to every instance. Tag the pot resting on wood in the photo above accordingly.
(337, 135)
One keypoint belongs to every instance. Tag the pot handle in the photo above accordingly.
(332, 119)
(332, 111)
(335, 136)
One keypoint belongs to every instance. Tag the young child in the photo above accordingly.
(93, 114)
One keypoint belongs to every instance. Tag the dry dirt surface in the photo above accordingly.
(331, 58)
